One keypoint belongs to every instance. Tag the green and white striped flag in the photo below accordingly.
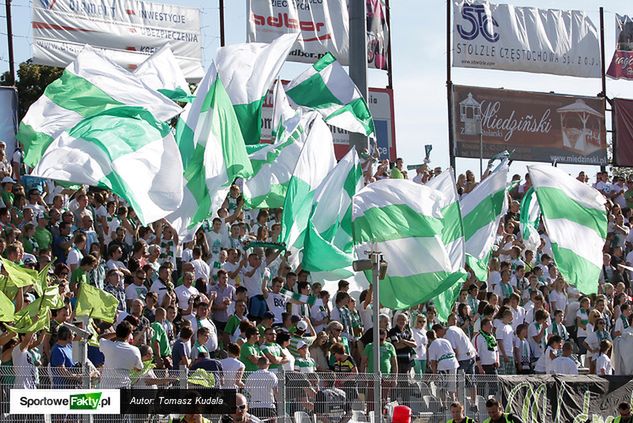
(329, 242)
(404, 221)
(576, 222)
(482, 210)
(91, 84)
(213, 153)
(248, 70)
(453, 239)
(274, 164)
(328, 89)
(126, 150)
(530, 217)
(315, 162)
(162, 73)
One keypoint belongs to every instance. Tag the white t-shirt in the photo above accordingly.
(462, 346)
(441, 351)
(160, 289)
(290, 365)
(276, 305)
(583, 315)
(505, 333)
(183, 294)
(544, 363)
(74, 257)
(253, 283)
(25, 371)
(558, 300)
(231, 267)
(536, 347)
(120, 358)
(563, 366)
(230, 368)
(487, 357)
(419, 336)
(133, 291)
(215, 242)
(603, 363)
(260, 386)
(518, 317)
(114, 264)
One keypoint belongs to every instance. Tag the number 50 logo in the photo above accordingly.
(480, 23)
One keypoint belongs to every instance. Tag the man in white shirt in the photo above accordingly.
(201, 268)
(185, 293)
(120, 357)
(159, 286)
(442, 360)
(261, 387)
(252, 277)
(518, 312)
(487, 349)
(216, 239)
(505, 338)
(564, 365)
(201, 320)
(275, 300)
(233, 266)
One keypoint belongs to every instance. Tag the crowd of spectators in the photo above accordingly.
(230, 303)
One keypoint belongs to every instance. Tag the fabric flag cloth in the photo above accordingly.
(315, 162)
(96, 303)
(328, 89)
(161, 72)
(482, 210)
(530, 217)
(329, 243)
(575, 219)
(453, 239)
(32, 318)
(212, 151)
(283, 113)
(18, 276)
(274, 164)
(248, 70)
(404, 222)
(7, 308)
(88, 86)
(125, 149)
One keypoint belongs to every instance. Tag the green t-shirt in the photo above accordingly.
(43, 237)
(160, 335)
(387, 352)
(628, 197)
(305, 365)
(273, 349)
(7, 198)
(30, 245)
(246, 351)
(78, 276)
(232, 325)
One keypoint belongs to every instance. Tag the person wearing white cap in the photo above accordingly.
(304, 332)
(304, 363)
(5, 166)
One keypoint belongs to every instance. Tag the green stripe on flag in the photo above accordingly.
(452, 217)
(35, 143)
(324, 62)
(359, 109)
(272, 199)
(92, 99)
(314, 93)
(484, 213)
(393, 222)
(576, 268)
(555, 204)
(249, 117)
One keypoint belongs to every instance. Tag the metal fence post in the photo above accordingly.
(281, 392)
(182, 376)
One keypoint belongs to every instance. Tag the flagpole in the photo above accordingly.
(603, 70)
(449, 90)
(358, 60)
(11, 80)
(222, 39)
(389, 61)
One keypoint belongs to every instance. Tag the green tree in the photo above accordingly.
(31, 81)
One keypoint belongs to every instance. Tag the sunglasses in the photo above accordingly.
(241, 407)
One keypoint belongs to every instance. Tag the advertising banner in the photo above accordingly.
(8, 118)
(623, 126)
(127, 30)
(323, 25)
(564, 399)
(533, 126)
(622, 63)
(505, 37)
(381, 106)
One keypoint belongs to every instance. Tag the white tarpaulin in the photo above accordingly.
(323, 25)
(505, 37)
(8, 118)
(128, 30)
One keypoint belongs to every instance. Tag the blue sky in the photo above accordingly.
(419, 71)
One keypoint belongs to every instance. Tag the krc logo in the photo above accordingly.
(481, 23)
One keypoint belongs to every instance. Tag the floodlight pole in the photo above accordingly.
(11, 80)
(375, 261)
(358, 60)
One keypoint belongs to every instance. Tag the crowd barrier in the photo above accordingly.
(329, 398)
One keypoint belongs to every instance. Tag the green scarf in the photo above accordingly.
(490, 340)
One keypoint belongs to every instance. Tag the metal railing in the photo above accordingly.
(299, 397)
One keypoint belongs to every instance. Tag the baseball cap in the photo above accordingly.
(7, 180)
(42, 215)
(302, 325)
(30, 260)
(268, 315)
(301, 344)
